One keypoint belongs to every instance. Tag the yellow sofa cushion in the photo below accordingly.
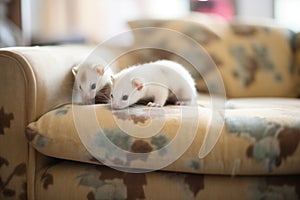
(260, 136)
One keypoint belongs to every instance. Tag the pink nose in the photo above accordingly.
(116, 106)
(87, 96)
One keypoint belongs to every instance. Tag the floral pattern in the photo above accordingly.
(5, 119)
(273, 142)
(295, 68)
(256, 156)
(14, 172)
(243, 53)
(98, 182)
(116, 185)
(19, 170)
(270, 143)
(248, 66)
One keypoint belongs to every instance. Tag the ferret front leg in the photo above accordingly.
(160, 98)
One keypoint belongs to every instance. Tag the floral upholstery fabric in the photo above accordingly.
(254, 60)
(296, 47)
(13, 184)
(98, 182)
(42, 156)
(13, 165)
(20, 82)
(260, 136)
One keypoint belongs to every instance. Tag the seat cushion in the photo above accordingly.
(100, 182)
(259, 136)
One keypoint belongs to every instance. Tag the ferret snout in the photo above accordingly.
(88, 96)
(116, 106)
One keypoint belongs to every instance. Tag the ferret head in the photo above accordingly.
(88, 81)
(126, 91)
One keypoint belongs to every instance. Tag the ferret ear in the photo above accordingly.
(99, 69)
(137, 83)
(75, 70)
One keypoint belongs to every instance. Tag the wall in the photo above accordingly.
(255, 8)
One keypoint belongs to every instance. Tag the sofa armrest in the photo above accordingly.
(33, 80)
(46, 74)
(296, 48)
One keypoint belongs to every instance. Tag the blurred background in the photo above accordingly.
(44, 22)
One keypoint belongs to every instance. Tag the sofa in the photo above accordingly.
(241, 140)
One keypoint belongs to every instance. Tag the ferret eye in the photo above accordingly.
(112, 96)
(93, 86)
(80, 87)
(125, 97)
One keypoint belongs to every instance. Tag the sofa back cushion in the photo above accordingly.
(254, 60)
(257, 61)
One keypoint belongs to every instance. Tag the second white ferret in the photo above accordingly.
(158, 81)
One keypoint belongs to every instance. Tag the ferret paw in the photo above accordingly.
(181, 103)
(151, 104)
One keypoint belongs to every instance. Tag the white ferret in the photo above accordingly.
(93, 81)
(159, 82)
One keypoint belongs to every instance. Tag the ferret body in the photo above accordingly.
(93, 82)
(159, 81)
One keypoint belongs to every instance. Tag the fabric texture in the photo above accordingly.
(255, 60)
(263, 136)
(42, 156)
(296, 48)
(33, 81)
(98, 182)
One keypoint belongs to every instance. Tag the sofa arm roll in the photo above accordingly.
(46, 71)
(33, 80)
